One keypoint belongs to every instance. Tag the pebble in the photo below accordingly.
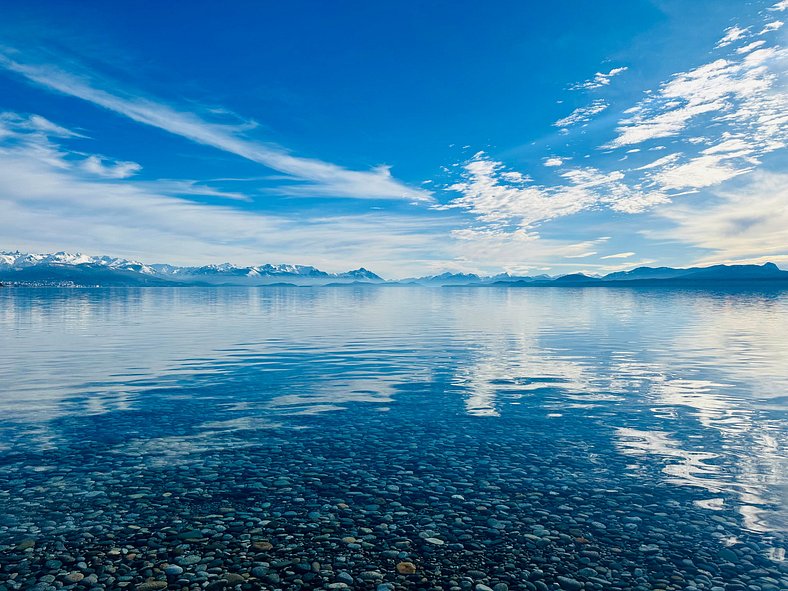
(74, 577)
(188, 560)
(406, 568)
(569, 584)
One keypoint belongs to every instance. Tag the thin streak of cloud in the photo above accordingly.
(582, 114)
(751, 46)
(188, 187)
(620, 255)
(317, 177)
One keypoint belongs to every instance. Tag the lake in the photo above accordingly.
(393, 438)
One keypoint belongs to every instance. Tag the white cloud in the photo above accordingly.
(553, 161)
(316, 177)
(748, 48)
(780, 6)
(626, 266)
(582, 114)
(772, 26)
(488, 196)
(111, 170)
(702, 171)
(599, 80)
(620, 255)
(661, 162)
(732, 34)
(610, 190)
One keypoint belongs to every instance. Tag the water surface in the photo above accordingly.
(291, 438)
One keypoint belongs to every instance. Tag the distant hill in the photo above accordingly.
(768, 271)
(646, 273)
(575, 278)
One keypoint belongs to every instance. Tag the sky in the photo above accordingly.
(408, 138)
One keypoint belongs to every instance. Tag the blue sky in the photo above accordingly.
(410, 138)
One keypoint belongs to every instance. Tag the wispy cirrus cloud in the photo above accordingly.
(599, 80)
(182, 188)
(582, 114)
(619, 255)
(311, 176)
(772, 26)
(732, 34)
(708, 169)
(37, 123)
(749, 47)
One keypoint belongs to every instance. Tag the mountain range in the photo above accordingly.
(64, 269)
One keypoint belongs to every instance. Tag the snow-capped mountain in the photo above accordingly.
(22, 260)
(80, 269)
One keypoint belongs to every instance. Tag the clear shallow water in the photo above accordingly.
(612, 438)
